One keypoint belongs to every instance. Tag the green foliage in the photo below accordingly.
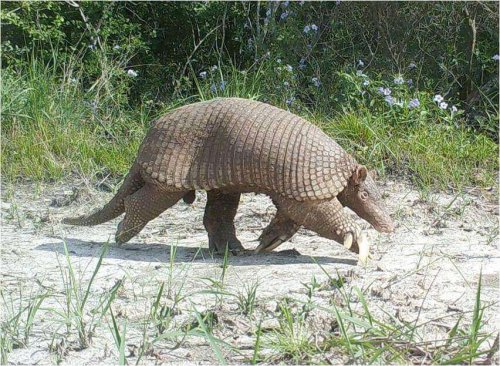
(81, 81)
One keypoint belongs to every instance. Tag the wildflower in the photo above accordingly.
(268, 13)
(307, 29)
(361, 63)
(316, 82)
(132, 73)
(213, 88)
(222, 86)
(337, 2)
(454, 109)
(414, 103)
(390, 100)
(302, 63)
(278, 60)
(289, 68)
(284, 15)
(286, 84)
(398, 80)
(412, 65)
(213, 68)
(366, 83)
(290, 101)
(438, 98)
(443, 105)
(116, 47)
(203, 74)
(91, 47)
(409, 82)
(314, 27)
(285, 4)
(301, 3)
(496, 58)
(384, 91)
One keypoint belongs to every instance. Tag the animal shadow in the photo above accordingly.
(183, 254)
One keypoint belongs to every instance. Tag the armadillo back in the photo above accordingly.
(244, 145)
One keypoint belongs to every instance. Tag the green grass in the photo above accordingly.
(54, 126)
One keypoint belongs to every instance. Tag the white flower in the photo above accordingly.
(316, 82)
(289, 68)
(307, 29)
(116, 47)
(203, 74)
(301, 3)
(213, 68)
(278, 60)
(412, 65)
(438, 98)
(286, 84)
(398, 80)
(361, 63)
(454, 109)
(366, 82)
(496, 58)
(314, 27)
(132, 73)
(384, 91)
(443, 105)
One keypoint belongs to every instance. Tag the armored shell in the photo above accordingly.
(244, 145)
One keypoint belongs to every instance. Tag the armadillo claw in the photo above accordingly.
(348, 241)
(364, 249)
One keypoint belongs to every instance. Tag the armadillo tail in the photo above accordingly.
(113, 208)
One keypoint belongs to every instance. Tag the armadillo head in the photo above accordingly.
(362, 196)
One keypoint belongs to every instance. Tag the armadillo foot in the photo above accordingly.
(269, 243)
(219, 241)
(364, 248)
(126, 231)
(279, 230)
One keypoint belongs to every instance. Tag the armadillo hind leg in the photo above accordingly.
(219, 221)
(279, 230)
(143, 206)
(113, 208)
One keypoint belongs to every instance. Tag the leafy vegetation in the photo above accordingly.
(80, 82)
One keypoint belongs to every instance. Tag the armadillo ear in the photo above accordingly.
(360, 174)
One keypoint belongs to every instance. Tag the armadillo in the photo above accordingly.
(230, 146)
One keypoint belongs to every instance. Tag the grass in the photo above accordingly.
(358, 334)
(54, 127)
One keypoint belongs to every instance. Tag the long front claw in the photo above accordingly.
(348, 241)
(364, 248)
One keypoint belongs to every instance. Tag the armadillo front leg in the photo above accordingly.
(143, 206)
(328, 219)
(219, 221)
(279, 230)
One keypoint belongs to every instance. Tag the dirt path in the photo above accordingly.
(427, 271)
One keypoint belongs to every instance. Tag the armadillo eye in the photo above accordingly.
(363, 195)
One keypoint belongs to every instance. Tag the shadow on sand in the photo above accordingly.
(161, 253)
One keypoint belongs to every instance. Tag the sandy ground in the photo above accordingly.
(425, 272)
